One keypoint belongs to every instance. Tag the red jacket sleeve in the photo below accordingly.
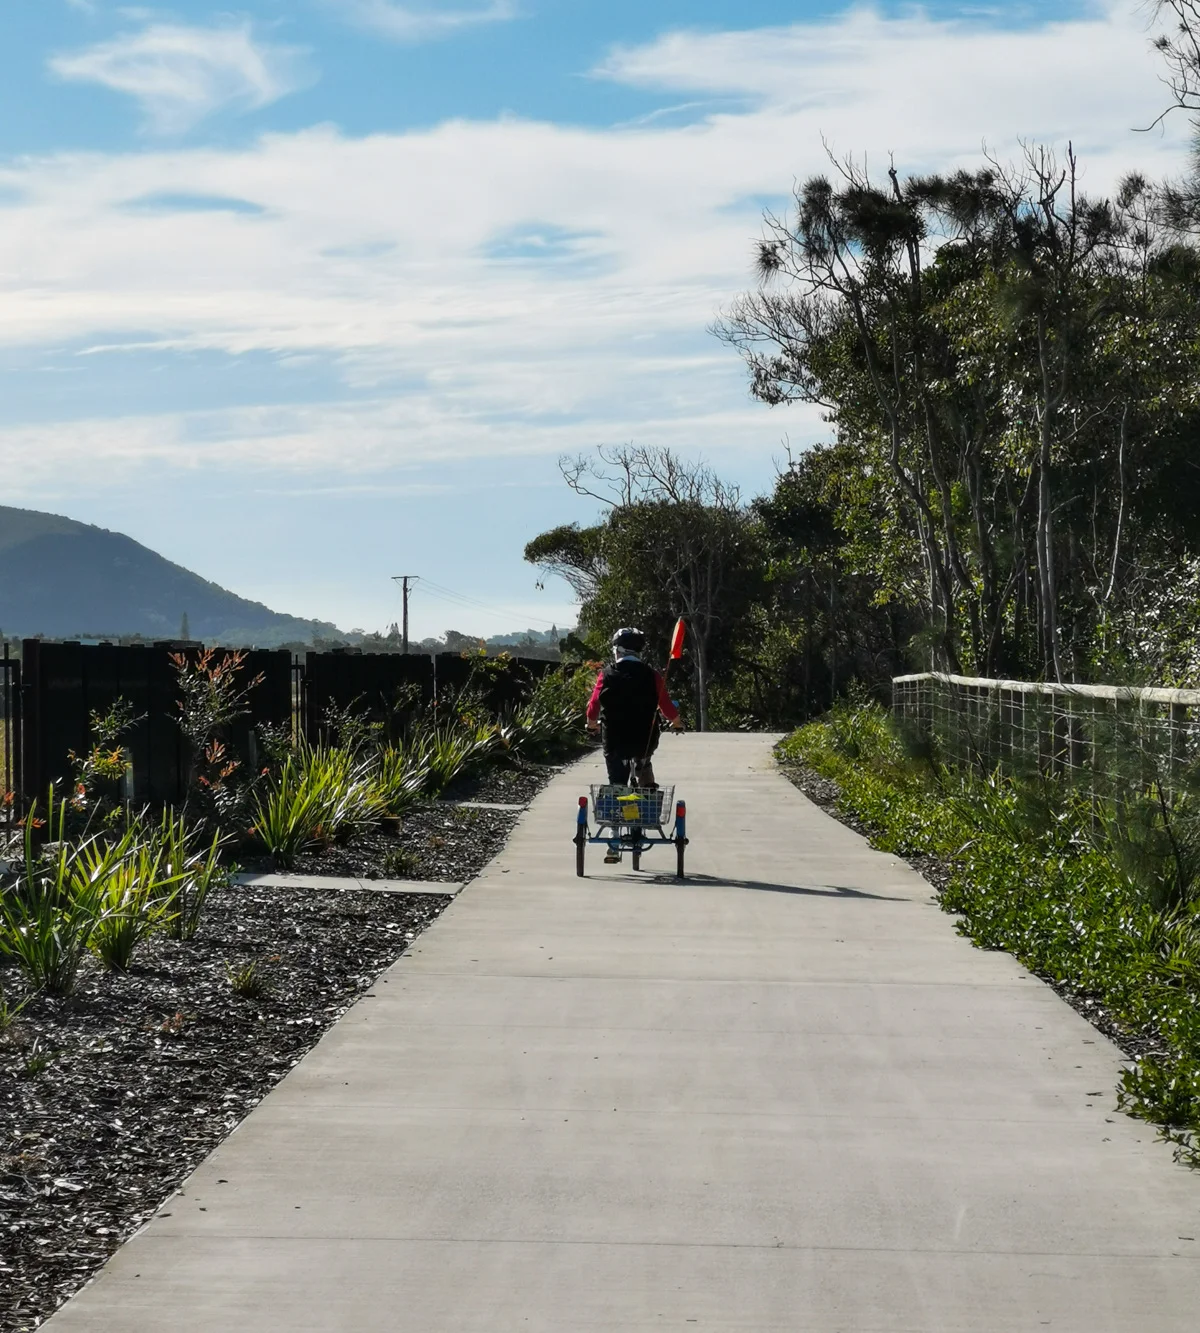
(593, 708)
(666, 705)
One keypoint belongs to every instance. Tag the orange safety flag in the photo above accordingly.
(677, 640)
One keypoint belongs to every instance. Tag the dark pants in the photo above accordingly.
(618, 770)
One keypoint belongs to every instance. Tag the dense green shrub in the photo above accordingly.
(1086, 893)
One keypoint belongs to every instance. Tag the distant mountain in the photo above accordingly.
(69, 580)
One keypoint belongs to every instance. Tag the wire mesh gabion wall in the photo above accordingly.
(1103, 737)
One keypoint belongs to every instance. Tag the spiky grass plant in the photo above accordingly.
(49, 915)
(402, 863)
(9, 1012)
(192, 862)
(453, 747)
(137, 894)
(320, 795)
(288, 814)
(349, 789)
(248, 980)
(401, 778)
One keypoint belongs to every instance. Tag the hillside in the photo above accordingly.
(64, 579)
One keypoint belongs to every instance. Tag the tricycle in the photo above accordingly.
(630, 819)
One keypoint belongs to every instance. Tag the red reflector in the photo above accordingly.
(583, 802)
(680, 810)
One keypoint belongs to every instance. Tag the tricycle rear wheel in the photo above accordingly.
(580, 848)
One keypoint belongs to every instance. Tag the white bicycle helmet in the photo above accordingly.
(628, 640)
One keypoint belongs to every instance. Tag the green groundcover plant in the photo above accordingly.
(1100, 897)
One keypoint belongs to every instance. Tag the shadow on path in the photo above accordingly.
(723, 882)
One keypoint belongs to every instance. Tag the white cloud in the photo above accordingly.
(354, 443)
(929, 79)
(179, 75)
(379, 255)
(421, 23)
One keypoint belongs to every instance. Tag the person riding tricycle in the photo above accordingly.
(625, 707)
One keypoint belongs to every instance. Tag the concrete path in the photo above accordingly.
(783, 1096)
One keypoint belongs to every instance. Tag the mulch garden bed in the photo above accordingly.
(111, 1097)
(824, 792)
(436, 840)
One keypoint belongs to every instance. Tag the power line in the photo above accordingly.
(442, 593)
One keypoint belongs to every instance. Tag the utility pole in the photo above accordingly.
(404, 580)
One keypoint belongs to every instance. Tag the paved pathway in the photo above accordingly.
(785, 1096)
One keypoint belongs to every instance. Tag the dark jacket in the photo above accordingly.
(628, 697)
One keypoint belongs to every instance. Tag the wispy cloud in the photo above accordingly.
(423, 22)
(913, 67)
(179, 75)
(493, 288)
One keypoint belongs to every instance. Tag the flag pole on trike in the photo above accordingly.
(678, 638)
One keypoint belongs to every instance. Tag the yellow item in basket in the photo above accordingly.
(631, 808)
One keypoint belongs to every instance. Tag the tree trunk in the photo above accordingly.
(700, 643)
(1047, 581)
(1115, 564)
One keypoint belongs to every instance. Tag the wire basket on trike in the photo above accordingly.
(633, 820)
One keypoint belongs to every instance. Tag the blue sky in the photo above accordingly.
(304, 293)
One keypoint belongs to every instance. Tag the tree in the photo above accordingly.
(826, 622)
(1179, 45)
(1180, 48)
(462, 643)
(675, 540)
(840, 314)
(992, 349)
(573, 553)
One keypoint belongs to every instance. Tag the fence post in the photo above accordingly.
(10, 716)
(31, 717)
(1179, 738)
(1060, 715)
(299, 711)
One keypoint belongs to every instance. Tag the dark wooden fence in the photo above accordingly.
(387, 688)
(503, 683)
(63, 684)
(48, 697)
